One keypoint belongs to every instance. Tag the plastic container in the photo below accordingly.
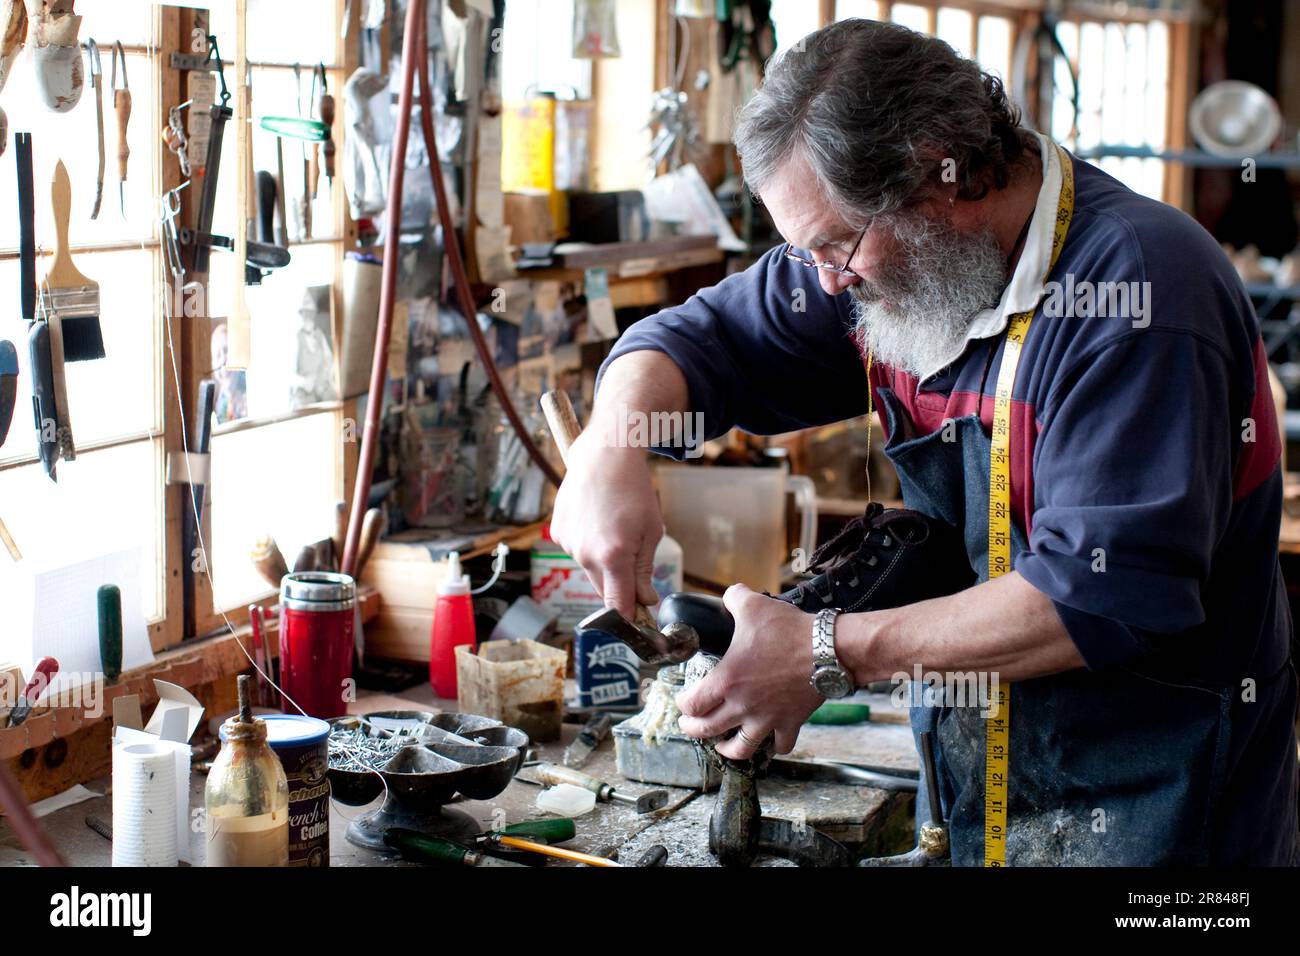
(560, 585)
(301, 743)
(453, 626)
(520, 683)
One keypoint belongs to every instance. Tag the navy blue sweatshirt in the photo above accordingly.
(1153, 439)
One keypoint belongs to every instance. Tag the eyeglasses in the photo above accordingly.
(843, 270)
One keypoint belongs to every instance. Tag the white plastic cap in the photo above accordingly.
(454, 583)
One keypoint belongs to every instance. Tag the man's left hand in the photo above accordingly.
(761, 684)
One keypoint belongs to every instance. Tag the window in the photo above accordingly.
(1123, 73)
(278, 466)
(275, 465)
(111, 497)
(793, 20)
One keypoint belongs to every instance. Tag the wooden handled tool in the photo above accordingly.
(122, 109)
(9, 543)
(563, 422)
(371, 526)
(325, 110)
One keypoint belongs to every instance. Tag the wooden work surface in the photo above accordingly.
(859, 816)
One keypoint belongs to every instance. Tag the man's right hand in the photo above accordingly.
(607, 517)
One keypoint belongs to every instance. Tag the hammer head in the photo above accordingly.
(652, 646)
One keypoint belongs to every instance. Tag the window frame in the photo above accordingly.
(205, 617)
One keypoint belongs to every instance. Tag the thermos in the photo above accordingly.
(317, 638)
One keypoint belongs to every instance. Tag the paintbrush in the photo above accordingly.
(69, 300)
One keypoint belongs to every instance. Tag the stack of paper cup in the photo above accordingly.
(144, 805)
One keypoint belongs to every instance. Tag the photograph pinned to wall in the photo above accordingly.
(232, 384)
(313, 378)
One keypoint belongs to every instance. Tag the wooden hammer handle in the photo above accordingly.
(122, 107)
(562, 420)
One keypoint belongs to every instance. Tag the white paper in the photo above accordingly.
(68, 798)
(56, 614)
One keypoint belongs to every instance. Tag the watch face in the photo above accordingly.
(832, 682)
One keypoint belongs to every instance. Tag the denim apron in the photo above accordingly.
(1113, 768)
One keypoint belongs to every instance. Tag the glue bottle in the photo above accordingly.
(453, 625)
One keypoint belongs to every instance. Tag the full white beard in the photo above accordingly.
(917, 318)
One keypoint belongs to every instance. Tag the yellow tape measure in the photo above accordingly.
(997, 746)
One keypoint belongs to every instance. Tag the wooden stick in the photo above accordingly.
(563, 421)
(9, 543)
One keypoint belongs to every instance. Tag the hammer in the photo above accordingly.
(672, 639)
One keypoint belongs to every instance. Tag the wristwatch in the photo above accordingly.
(829, 678)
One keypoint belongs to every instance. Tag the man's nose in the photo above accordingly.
(833, 283)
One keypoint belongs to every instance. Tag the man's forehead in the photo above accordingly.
(799, 208)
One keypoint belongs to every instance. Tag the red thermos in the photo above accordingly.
(317, 639)
(453, 625)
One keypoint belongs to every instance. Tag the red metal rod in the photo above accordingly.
(456, 262)
(415, 61)
(388, 287)
(20, 818)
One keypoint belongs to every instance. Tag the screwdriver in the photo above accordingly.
(418, 848)
(550, 774)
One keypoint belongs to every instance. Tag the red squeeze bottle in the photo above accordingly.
(453, 625)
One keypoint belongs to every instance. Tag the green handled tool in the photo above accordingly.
(109, 602)
(419, 848)
(296, 127)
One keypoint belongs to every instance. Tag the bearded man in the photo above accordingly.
(1141, 621)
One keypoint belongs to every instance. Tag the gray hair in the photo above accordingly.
(876, 110)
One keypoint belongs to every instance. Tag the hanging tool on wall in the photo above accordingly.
(69, 311)
(199, 241)
(195, 475)
(122, 110)
(325, 110)
(176, 139)
(44, 407)
(8, 386)
(97, 86)
(308, 186)
(8, 398)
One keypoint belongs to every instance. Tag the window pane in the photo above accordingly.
(282, 32)
(995, 45)
(105, 501)
(71, 137)
(277, 480)
(110, 397)
(537, 49)
(911, 16)
(275, 321)
(107, 20)
(954, 29)
(794, 20)
(866, 9)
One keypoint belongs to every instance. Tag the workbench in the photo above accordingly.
(862, 817)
